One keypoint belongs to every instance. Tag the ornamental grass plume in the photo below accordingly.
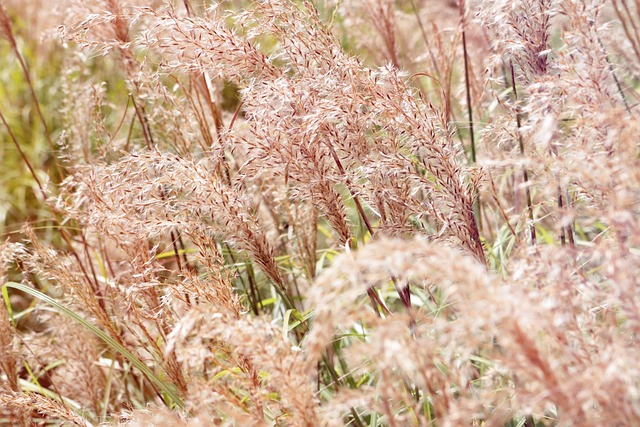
(320, 213)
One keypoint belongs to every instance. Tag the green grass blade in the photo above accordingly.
(168, 390)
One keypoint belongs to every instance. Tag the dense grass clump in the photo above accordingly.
(366, 213)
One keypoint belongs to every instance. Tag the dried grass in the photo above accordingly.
(412, 216)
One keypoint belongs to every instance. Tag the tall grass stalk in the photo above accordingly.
(268, 215)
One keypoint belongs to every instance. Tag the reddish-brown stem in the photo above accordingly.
(525, 172)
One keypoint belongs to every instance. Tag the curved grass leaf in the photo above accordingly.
(168, 390)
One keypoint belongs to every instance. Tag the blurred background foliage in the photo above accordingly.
(20, 199)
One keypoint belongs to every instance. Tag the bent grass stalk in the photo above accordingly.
(168, 390)
(288, 231)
